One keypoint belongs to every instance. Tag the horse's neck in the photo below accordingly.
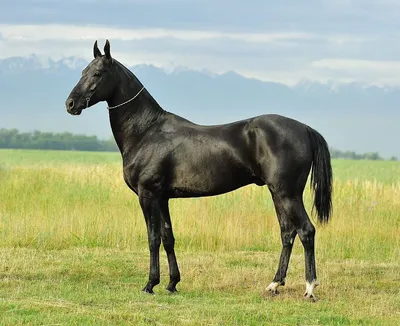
(130, 122)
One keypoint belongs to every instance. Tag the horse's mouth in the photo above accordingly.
(75, 112)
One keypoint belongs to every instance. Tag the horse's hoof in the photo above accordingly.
(172, 290)
(274, 292)
(273, 288)
(310, 297)
(147, 290)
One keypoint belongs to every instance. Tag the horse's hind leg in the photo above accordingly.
(306, 231)
(288, 235)
(294, 211)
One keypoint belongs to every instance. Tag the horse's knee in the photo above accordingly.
(168, 243)
(154, 243)
(307, 235)
(287, 238)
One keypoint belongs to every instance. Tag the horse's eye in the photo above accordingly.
(97, 74)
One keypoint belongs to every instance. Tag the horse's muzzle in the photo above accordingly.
(71, 109)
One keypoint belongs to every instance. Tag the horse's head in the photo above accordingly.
(96, 84)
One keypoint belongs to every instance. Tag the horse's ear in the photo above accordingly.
(96, 51)
(107, 50)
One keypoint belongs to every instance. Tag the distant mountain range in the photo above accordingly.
(355, 117)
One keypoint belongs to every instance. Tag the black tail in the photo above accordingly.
(321, 176)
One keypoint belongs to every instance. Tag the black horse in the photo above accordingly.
(166, 156)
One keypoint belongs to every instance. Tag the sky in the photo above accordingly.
(285, 41)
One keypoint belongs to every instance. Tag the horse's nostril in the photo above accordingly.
(70, 103)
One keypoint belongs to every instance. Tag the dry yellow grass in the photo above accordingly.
(69, 205)
(74, 251)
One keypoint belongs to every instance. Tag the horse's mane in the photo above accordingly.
(127, 71)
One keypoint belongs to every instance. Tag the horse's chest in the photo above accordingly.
(131, 177)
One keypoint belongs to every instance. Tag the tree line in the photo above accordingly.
(355, 156)
(12, 138)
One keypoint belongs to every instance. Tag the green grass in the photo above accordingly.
(73, 250)
(381, 171)
(84, 286)
(35, 158)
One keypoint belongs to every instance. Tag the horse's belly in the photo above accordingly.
(209, 177)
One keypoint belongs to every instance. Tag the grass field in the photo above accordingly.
(73, 250)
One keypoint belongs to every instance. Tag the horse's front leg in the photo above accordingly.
(168, 240)
(150, 205)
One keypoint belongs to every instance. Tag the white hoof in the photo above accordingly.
(309, 294)
(273, 288)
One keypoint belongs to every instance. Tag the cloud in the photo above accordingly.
(341, 16)
(34, 33)
(358, 65)
(282, 56)
(381, 72)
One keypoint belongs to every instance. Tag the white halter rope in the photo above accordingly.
(117, 106)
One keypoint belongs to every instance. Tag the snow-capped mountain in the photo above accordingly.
(351, 116)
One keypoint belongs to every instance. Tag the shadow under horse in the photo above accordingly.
(166, 156)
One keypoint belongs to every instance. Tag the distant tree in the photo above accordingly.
(12, 138)
(372, 156)
(350, 155)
